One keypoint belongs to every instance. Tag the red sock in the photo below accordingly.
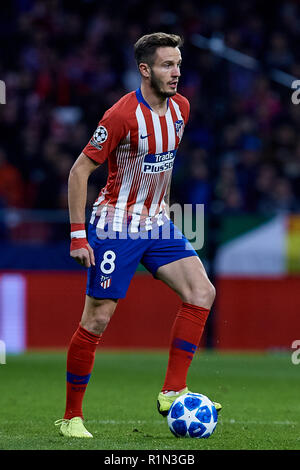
(186, 334)
(80, 361)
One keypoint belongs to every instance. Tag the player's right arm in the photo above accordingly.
(110, 131)
(80, 249)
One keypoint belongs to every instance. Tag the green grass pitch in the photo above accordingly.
(259, 394)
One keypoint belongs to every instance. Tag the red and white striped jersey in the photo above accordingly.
(140, 147)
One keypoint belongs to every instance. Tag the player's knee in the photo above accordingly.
(202, 294)
(97, 316)
(99, 322)
(96, 323)
(211, 293)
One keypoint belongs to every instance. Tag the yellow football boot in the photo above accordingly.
(73, 427)
(165, 400)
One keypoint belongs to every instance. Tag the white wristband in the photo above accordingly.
(78, 234)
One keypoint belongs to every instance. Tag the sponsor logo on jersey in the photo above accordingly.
(158, 162)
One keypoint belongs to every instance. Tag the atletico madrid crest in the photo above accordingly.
(105, 282)
(179, 127)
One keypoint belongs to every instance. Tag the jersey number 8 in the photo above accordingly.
(108, 260)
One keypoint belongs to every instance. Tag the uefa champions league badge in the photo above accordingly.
(99, 137)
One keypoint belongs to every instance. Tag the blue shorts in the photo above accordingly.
(116, 260)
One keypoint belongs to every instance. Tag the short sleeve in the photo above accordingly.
(186, 110)
(184, 106)
(110, 131)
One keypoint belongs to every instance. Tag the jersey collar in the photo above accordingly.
(141, 99)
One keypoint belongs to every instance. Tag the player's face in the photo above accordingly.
(165, 71)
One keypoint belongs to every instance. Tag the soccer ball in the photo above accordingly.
(192, 415)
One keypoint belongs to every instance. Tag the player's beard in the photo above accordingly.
(157, 86)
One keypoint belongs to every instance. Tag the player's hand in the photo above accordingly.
(80, 250)
(84, 256)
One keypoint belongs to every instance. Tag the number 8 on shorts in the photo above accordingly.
(107, 265)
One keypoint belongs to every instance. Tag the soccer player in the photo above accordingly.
(129, 224)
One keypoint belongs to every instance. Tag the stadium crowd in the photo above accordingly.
(64, 63)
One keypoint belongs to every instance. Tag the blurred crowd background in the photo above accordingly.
(65, 62)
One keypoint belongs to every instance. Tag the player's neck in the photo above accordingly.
(157, 103)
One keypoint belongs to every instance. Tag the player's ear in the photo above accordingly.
(144, 70)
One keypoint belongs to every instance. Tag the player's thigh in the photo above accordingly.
(188, 278)
(116, 260)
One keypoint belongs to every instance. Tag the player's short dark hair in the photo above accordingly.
(145, 47)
